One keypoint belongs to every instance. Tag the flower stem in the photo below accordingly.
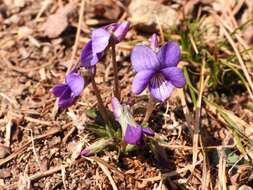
(150, 109)
(115, 73)
(101, 106)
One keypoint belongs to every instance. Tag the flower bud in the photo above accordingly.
(97, 147)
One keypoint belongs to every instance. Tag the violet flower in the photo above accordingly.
(68, 92)
(132, 133)
(101, 38)
(157, 70)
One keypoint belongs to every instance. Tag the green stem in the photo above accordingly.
(115, 73)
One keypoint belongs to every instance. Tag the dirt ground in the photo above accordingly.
(40, 149)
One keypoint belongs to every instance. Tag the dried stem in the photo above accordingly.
(101, 106)
(75, 47)
(150, 108)
(115, 73)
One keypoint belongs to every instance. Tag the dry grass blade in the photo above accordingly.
(94, 158)
(186, 111)
(8, 132)
(238, 37)
(80, 21)
(243, 66)
(197, 116)
(63, 174)
(107, 173)
(160, 30)
(38, 176)
(222, 171)
(12, 101)
(187, 168)
(197, 132)
(13, 155)
(190, 147)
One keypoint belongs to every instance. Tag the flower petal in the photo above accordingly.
(169, 55)
(75, 82)
(100, 40)
(143, 58)
(65, 103)
(86, 55)
(153, 42)
(141, 80)
(116, 108)
(110, 27)
(85, 152)
(87, 58)
(133, 135)
(148, 131)
(59, 89)
(66, 99)
(121, 31)
(160, 88)
(175, 76)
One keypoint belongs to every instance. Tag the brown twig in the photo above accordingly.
(80, 20)
(71, 131)
(13, 155)
(184, 147)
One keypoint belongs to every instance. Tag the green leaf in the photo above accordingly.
(92, 113)
(97, 129)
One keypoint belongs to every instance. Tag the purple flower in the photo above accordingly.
(153, 42)
(157, 70)
(132, 133)
(68, 92)
(135, 134)
(101, 38)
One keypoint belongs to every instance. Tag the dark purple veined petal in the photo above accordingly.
(169, 55)
(143, 58)
(141, 80)
(148, 131)
(175, 76)
(153, 42)
(160, 88)
(133, 135)
(65, 103)
(86, 55)
(59, 89)
(75, 82)
(116, 108)
(121, 31)
(88, 58)
(66, 99)
(100, 40)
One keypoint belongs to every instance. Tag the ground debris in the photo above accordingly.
(58, 22)
(41, 152)
(146, 15)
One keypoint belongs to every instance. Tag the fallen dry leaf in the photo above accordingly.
(4, 173)
(4, 151)
(58, 22)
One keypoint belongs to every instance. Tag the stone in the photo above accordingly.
(145, 15)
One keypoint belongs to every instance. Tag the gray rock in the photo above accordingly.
(144, 14)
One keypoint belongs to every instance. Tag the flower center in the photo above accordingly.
(157, 80)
